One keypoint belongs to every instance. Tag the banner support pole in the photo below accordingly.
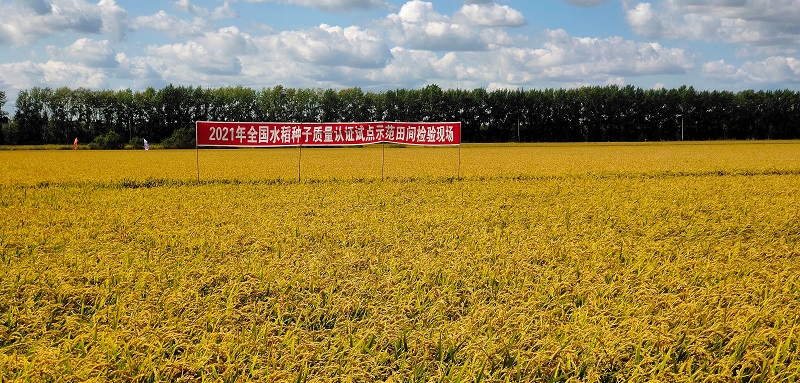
(299, 160)
(459, 162)
(383, 161)
(197, 150)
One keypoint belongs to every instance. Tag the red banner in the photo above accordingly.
(276, 134)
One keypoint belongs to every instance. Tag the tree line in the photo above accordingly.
(600, 113)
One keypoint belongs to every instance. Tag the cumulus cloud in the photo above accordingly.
(40, 7)
(418, 26)
(200, 64)
(331, 5)
(216, 53)
(29, 21)
(569, 58)
(409, 66)
(413, 45)
(774, 70)
(490, 15)
(171, 25)
(562, 59)
(89, 52)
(225, 11)
(115, 19)
(142, 71)
(586, 3)
(329, 46)
(27, 74)
(644, 21)
(754, 23)
(188, 7)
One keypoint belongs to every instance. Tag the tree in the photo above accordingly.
(146, 116)
(352, 107)
(308, 105)
(60, 125)
(600, 113)
(31, 116)
(273, 104)
(125, 112)
(174, 104)
(431, 101)
(3, 113)
(3, 116)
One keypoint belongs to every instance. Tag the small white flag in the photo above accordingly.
(146, 146)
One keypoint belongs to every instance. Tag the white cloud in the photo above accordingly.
(228, 41)
(774, 70)
(644, 21)
(568, 58)
(753, 23)
(491, 15)
(115, 19)
(171, 25)
(413, 45)
(330, 46)
(418, 26)
(41, 7)
(27, 74)
(563, 59)
(190, 61)
(89, 52)
(587, 3)
(409, 66)
(188, 7)
(140, 70)
(331, 5)
(29, 21)
(225, 11)
(611, 53)
(719, 69)
(214, 53)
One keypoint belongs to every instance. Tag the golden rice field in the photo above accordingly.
(552, 262)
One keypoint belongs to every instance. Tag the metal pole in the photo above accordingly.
(459, 162)
(299, 159)
(197, 149)
(383, 161)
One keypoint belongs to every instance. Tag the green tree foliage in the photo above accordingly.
(3, 113)
(109, 140)
(183, 138)
(31, 117)
(600, 113)
(135, 142)
(3, 116)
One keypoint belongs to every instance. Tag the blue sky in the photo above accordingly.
(388, 44)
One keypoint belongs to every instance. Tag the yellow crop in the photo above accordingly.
(644, 262)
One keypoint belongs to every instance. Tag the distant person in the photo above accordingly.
(146, 146)
(75, 144)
